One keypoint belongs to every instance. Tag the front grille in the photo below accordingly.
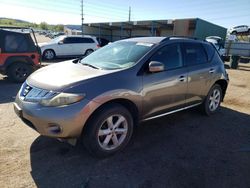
(33, 94)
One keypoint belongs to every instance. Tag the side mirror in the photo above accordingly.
(60, 42)
(156, 66)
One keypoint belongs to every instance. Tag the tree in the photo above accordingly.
(59, 28)
(43, 26)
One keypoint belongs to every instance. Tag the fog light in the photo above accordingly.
(54, 129)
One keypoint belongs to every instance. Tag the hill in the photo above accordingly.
(22, 23)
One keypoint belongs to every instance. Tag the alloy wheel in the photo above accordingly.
(112, 132)
(21, 72)
(49, 54)
(214, 100)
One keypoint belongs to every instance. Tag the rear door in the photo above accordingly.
(165, 91)
(85, 43)
(199, 72)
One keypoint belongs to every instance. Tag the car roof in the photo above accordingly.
(80, 36)
(153, 40)
(157, 40)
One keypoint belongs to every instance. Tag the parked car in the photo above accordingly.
(218, 44)
(19, 54)
(240, 29)
(68, 46)
(57, 34)
(100, 99)
(102, 41)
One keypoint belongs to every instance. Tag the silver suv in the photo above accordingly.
(98, 100)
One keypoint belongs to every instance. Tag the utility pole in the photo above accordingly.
(82, 14)
(129, 14)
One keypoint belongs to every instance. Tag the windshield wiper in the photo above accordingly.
(89, 65)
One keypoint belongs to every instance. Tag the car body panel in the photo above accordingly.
(164, 91)
(199, 79)
(58, 76)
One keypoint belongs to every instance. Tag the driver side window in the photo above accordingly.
(170, 56)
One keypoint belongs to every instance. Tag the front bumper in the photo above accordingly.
(60, 122)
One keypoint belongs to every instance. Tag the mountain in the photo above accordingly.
(13, 20)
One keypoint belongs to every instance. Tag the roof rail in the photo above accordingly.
(178, 37)
(10, 27)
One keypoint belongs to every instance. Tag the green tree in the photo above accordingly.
(43, 25)
(59, 27)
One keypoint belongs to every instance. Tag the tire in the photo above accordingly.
(212, 102)
(49, 55)
(101, 132)
(89, 51)
(18, 72)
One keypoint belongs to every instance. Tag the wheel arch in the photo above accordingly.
(47, 50)
(223, 84)
(89, 49)
(17, 59)
(128, 104)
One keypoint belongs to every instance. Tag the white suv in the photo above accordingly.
(66, 45)
(240, 29)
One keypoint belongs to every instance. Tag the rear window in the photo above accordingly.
(15, 43)
(86, 40)
(78, 40)
(194, 54)
(210, 50)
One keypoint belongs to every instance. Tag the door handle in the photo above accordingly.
(211, 71)
(182, 78)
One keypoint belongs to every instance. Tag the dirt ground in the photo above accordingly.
(42, 38)
(185, 149)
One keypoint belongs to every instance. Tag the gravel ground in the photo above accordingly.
(185, 149)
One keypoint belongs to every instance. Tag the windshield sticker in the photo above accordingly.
(144, 44)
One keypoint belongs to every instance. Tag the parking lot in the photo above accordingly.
(186, 149)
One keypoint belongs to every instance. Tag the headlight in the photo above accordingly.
(62, 99)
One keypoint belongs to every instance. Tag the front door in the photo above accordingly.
(165, 91)
(65, 48)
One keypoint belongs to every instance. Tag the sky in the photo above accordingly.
(227, 13)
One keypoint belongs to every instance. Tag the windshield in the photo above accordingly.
(117, 55)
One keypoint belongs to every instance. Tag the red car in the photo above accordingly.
(19, 54)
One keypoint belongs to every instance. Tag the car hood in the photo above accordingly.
(43, 44)
(61, 75)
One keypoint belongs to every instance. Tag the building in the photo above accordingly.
(113, 31)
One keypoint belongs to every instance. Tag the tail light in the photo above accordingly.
(98, 46)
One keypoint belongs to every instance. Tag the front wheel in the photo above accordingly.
(213, 100)
(49, 55)
(108, 131)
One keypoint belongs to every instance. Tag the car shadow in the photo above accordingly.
(8, 90)
(185, 149)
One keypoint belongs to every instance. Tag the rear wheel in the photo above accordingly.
(18, 72)
(213, 100)
(88, 52)
(49, 55)
(108, 131)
